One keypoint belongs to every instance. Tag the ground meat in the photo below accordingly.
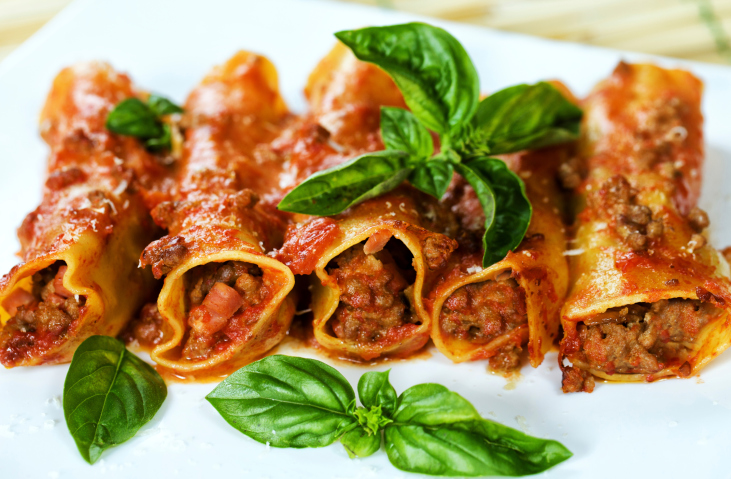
(698, 219)
(507, 359)
(480, 312)
(373, 295)
(244, 277)
(655, 229)
(643, 338)
(147, 329)
(436, 251)
(65, 177)
(637, 214)
(633, 221)
(47, 312)
(576, 380)
(164, 255)
(696, 242)
(242, 280)
(636, 241)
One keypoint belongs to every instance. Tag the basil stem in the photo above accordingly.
(296, 402)
(108, 395)
(334, 190)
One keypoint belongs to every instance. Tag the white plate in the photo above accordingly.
(676, 428)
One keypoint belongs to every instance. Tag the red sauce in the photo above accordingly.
(304, 246)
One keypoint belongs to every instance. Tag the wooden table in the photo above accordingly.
(692, 29)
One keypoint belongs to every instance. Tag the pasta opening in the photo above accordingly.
(222, 302)
(644, 338)
(39, 317)
(481, 312)
(376, 292)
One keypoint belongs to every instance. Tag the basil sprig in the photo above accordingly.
(287, 401)
(441, 87)
(108, 395)
(133, 117)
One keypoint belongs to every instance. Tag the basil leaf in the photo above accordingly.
(431, 68)
(131, 117)
(401, 130)
(162, 143)
(466, 449)
(504, 202)
(287, 402)
(431, 405)
(432, 177)
(438, 432)
(334, 190)
(108, 395)
(360, 443)
(161, 106)
(526, 117)
(374, 389)
(525, 454)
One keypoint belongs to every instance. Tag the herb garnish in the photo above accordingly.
(133, 117)
(108, 395)
(441, 87)
(288, 401)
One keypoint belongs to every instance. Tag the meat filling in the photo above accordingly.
(216, 292)
(44, 314)
(481, 312)
(633, 221)
(147, 329)
(374, 292)
(644, 338)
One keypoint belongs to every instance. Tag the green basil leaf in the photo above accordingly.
(504, 202)
(401, 130)
(526, 117)
(432, 177)
(469, 449)
(108, 395)
(431, 68)
(161, 143)
(360, 443)
(527, 454)
(334, 190)
(432, 405)
(438, 432)
(161, 106)
(287, 402)
(374, 389)
(485, 194)
(131, 117)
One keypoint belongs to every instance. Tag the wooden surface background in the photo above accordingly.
(692, 29)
